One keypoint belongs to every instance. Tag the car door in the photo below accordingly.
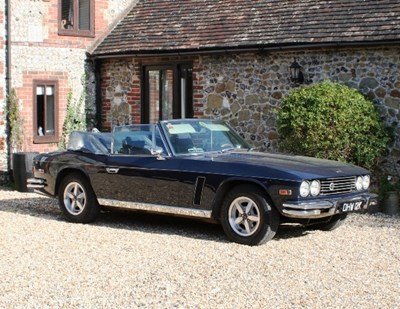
(133, 174)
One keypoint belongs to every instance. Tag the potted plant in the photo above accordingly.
(389, 190)
(21, 162)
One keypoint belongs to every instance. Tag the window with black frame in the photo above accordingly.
(167, 92)
(76, 17)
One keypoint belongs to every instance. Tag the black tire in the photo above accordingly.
(332, 224)
(77, 200)
(247, 217)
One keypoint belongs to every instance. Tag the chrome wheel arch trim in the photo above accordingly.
(173, 210)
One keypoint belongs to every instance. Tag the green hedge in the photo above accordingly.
(332, 121)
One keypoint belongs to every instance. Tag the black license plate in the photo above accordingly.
(351, 206)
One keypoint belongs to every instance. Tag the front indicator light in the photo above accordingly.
(285, 192)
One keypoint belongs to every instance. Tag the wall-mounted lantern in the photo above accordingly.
(296, 76)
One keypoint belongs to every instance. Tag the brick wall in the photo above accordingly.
(121, 92)
(25, 95)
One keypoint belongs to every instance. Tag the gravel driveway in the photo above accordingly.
(130, 260)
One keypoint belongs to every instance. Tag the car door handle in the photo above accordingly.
(112, 170)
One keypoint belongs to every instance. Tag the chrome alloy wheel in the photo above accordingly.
(244, 216)
(74, 198)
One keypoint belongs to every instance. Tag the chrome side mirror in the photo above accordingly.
(157, 152)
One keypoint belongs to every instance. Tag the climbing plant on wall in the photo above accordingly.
(75, 118)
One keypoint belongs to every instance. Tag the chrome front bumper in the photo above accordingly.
(324, 207)
(35, 183)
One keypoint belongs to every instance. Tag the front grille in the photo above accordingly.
(340, 185)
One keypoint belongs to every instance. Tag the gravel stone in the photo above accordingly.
(132, 260)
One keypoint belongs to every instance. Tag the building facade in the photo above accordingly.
(240, 71)
(138, 61)
(245, 89)
(43, 47)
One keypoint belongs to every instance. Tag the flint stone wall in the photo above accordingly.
(246, 90)
(3, 134)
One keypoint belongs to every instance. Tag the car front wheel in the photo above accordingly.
(247, 217)
(77, 200)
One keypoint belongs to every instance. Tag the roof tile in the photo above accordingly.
(187, 25)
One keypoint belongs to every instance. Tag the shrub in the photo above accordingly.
(332, 121)
(15, 122)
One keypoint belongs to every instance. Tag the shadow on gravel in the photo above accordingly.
(291, 231)
(47, 208)
(161, 224)
(188, 227)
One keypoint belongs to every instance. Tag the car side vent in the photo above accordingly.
(340, 185)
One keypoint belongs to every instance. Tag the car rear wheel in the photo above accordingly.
(247, 217)
(77, 200)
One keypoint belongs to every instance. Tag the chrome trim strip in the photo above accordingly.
(305, 213)
(33, 186)
(112, 170)
(35, 183)
(308, 214)
(309, 205)
(181, 211)
(320, 209)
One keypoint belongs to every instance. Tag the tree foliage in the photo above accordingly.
(332, 121)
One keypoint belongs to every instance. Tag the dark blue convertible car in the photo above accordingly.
(199, 168)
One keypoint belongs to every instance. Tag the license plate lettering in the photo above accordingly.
(351, 206)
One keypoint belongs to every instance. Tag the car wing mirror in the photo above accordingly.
(157, 152)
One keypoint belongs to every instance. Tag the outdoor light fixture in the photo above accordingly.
(296, 76)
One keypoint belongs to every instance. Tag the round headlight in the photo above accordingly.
(315, 188)
(359, 183)
(366, 182)
(304, 189)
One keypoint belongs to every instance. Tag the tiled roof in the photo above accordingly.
(193, 25)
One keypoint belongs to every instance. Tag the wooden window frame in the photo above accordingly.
(50, 138)
(75, 31)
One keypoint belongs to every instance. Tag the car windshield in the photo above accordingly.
(136, 139)
(200, 136)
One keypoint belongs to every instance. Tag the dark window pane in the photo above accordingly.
(67, 14)
(84, 14)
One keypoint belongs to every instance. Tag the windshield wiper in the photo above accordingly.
(227, 149)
